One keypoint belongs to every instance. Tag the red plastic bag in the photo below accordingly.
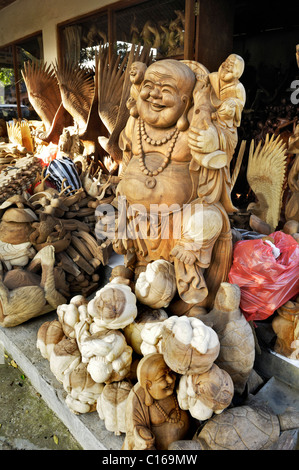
(266, 282)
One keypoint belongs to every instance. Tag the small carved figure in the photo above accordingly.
(207, 393)
(237, 345)
(156, 286)
(286, 327)
(154, 418)
(248, 427)
(23, 303)
(137, 72)
(228, 95)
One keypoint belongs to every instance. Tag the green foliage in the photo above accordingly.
(6, 76)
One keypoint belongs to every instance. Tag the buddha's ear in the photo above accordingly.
(148, 399)
(183, 122)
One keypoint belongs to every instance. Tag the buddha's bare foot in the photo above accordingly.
(183, 255)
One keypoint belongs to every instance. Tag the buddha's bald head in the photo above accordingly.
(166, 93)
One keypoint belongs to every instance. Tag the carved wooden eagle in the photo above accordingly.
(44, 95)
(265, 175)
(114, 90)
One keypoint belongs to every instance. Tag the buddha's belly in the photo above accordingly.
(172, 186)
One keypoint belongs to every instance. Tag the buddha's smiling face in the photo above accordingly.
(164, 94)
(162, 382)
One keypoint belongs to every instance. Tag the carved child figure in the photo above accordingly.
(154, 419)
(137, 72)
(228, 95)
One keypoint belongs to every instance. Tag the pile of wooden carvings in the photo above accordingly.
(30, 221)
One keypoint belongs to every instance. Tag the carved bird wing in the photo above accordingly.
(77, 90)
(114, 91)
(265, 175)
(110, 85)
(43, 90)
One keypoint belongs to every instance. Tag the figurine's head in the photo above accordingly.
(165, 94)
(155, 377)
(137, 72)
(232, 68)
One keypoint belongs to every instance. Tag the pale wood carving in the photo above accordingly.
(174, 138)
(44, 95)
(82, 391)
(187, 344)
(133, 332)
(286, 326)
(237, 345)
(111, 406)
(245, 428)
(23, 303)
(156, 286)
(64, 358)
(114, 306)
(153, 416)
(292, 205)
(265, 175)
(207, 393)
(49, 334)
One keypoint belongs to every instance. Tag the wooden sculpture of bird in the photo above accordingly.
(265, 175)
(44, 95)
(79, 92)
(114, 91)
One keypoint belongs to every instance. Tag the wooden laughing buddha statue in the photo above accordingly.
(175, 176)
(153, 416)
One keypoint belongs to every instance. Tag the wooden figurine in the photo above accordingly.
(111, 406)
(187, 344)
(265, 175)
(205, 394)
(28, 301)
(44, 95)
(153, 416)
(82, 391)
(64, 358)
(108, 355)
(286, 326)
(248, 427)
(237, 345)
(48, 335)
(146, 316)
(156, 286)
(292, 205)
(114, 306)
(160, 176)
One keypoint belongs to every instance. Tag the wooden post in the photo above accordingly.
(189, 30)
(16, 74)
(214, 32)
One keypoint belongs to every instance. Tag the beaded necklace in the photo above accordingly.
(166, 417)
(141, 134)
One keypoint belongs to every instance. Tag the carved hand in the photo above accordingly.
(203, 141)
